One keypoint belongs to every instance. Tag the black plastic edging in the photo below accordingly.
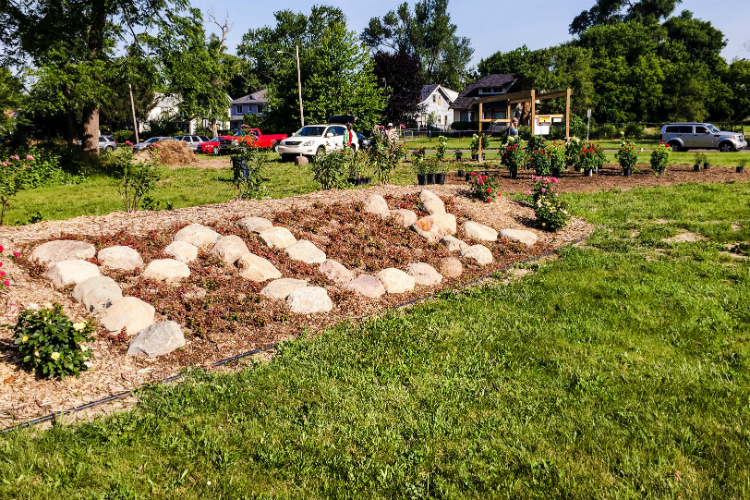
(53, 416)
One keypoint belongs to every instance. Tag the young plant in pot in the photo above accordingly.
(590, 159)
(627, 157)
(513, 157)
(698, 162)
(442, 168)
(432, 166)
(420, 168)
(475, 146)
(441, 148)
(660, 158)
(459, 154)
(741, 166)
(558, 159)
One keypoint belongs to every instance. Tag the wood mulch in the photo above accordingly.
(233, 318)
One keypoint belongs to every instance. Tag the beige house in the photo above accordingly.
(436, 101)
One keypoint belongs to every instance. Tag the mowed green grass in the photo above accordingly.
(619, 371)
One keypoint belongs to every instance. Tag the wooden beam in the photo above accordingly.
(533, 110)
(568, 93)
(495, 120)
(551, 95)
(524, 95)
(481, 118)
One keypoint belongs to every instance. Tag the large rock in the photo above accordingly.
(305, 251)
(254, 224)
(431, 202)
(424, 274)
(198, 235)
(375, 204)
(280, 289)
(230, 249)
(157, 339)
(71, 272)
(168, 270)
(526, 237)
(336, 272)
(480, 253)
(396, 281)
(301, 161)
(119, 257)
(434, 227)
(453, 244)
(129, 313)
(309, 300)
(97, 293)
(403, 217)
(255, 268)
(62, 250)
(182, 251)
(479, 232)
(278, 237)
(366, 286)
(451, 267)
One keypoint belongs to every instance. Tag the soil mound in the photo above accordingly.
(171, 153)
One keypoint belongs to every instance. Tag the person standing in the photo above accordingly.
(513, 129)
(349, 137)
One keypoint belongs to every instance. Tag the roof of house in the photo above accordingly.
(427, 91)
(471, 92)
(258, 97)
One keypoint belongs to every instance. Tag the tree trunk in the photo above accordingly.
(96, 46)
(91, 129)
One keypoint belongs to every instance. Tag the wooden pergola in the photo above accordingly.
(524, 96)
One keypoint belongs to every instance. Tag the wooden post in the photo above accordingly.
(567, 114)
(533, 110)
(132, 108)
(481, 116)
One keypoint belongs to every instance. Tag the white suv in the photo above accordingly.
(315, 140)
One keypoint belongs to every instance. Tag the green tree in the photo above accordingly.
(337, 70)
(11, 97)
(400, 74)
(612, 11)
(428, 33)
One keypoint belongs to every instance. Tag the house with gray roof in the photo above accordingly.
(465, 107)
(251, 104)
(435, 102)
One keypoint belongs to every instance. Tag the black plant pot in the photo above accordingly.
(475, 157)
(697, 167)
(430, 178)
(588, 173)
(368, 180)
(354, 181)
(628, 172)
(706, 165)
(740, 170)
(460, 173)
(467, 177)
(421, 179)
(513, 174)
(661, 170)
(459, 156)
(440, 178)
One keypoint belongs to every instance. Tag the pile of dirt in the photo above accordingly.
(170, 153)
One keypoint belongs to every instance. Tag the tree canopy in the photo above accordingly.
(400, 74)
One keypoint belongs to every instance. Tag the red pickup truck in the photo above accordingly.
(252, 137)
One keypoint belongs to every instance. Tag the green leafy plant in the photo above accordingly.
(592, 156)
(474, 146)
(556, 152)
(331, 169)
(660, 157)
(386, 154)
(573, 151)
(537, 142)
(135, 179)
(627, 155)
(540, 161)
(248, 167)
(551, 212)
(484, 187)
(50, 343)
(458, 153)
(442, 147)
(12, 178)
(122, 136)
(513, 157)
(420, 165)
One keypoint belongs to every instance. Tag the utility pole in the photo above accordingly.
(132, 107)
(299, 87)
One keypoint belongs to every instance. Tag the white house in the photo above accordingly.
(436, 101)
(167, 106)
(251, 104)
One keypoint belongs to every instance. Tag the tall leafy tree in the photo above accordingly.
(11, 97)
(613, 11)
(400, 75)
(337, 70)
(428, 33)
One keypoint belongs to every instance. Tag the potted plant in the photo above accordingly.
(556, 152)
(513, 157)
(474, 146)
(431, 170)
(441, 170)
(540, 161)
(459, 154)
(698, 162)
(627, 157)
(741, 166)
(442, 147)
(706, 164)
(573, 152)
(589, 159)
(660, 158)
(484, 187)
(420, 168)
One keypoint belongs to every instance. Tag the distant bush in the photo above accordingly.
(465, 126)
(122, 136)
(634, 131)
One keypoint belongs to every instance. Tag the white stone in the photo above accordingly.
(168, 270)
(431, 202)
(97, 293)
(309, 300)
(424, 274)
(453, 244)
(434, 227)
(71, 272)
(230, 249)
(157, 339)
(280, 289)
(526, 237)
(254, 224)
(479, 232)
(278, 237)
(403, 217)
(366, 286)
(198, 235)
(396, 281)
(182, 251)
(305, 251)
(255, 268)
(62, 250)
(375, 204)
(335, 271)
(120, 257)
(129, 313)
(480, 253)
(451, 267)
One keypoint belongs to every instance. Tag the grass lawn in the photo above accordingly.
(621, 370)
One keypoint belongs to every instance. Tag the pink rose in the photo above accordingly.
(14, 157)
(5, 164)
(544, 190)
(29, 157)
(527, 192)
(554, 180)
(16, 254)
(6, 283)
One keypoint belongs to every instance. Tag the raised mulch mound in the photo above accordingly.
(171, 153)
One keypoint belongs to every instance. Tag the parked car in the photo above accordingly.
(684, 136)
(251, 137)
(210, 146)
(192, 140)
(106, 143)
(314, 140)
(363, 141)
(143, 145)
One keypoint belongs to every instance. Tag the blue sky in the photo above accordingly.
(491, 26)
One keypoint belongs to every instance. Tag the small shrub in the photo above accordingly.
(513, 157)
(123, 135)
(135, 180)
(536, 142)
(484, 187)
(540, 161)
(474, 146)
(558, 158)
(50, 343)
(634, 131)
(660, 157)
(592, 156)
(330, 170)
(627, 155)
(385, 155)
(573, 151)
(442, 147)
(12, 178)
(248, 167)
(551, 212)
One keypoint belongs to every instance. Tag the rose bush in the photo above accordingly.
(627, 155)
(551, 212)
(660, 157)
(484, 187)
(513, 157)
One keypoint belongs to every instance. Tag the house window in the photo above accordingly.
(438, 119)
(446, 119)
(465, 116)
(440, 100)
(434, 98)
(499, 115)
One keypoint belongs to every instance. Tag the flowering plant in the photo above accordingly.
(483, 187)
(551, 212)
(513, 157)
(474, 146)
(50, 343)
(540, 161)
(660, 157)
(13, 174)
(592, 156)
(442, 147)
(573, 151)
(556, 152)
(627, 155)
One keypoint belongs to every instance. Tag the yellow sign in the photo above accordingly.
(545, 120)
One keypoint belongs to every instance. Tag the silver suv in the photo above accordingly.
(684, 136)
